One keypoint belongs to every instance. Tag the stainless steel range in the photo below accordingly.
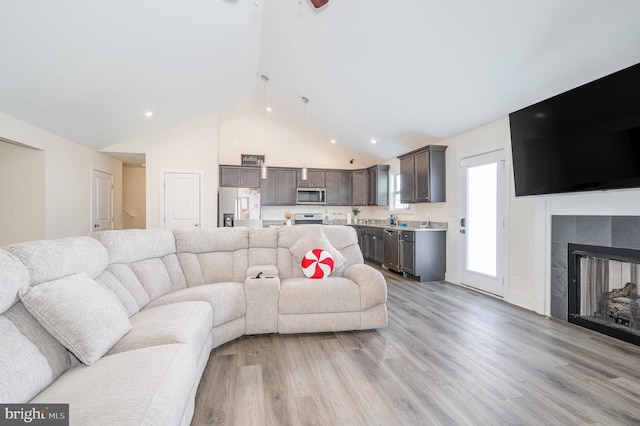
(307, 218)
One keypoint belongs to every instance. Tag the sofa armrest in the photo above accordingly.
(262, 295)
(373, 286)
(267, 271)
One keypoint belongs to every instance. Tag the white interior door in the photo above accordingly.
(101, 201)
(482, 222)
(182, 200)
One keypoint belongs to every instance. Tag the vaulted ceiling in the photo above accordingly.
(406, 72)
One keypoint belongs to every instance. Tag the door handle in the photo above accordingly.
(196, 225)
(96, 225)
(462, 231)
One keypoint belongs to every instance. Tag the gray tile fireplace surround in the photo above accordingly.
(606, 231)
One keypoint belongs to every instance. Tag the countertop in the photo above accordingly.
(400, 227)
(415, 226)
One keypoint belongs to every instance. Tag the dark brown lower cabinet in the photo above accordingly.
(423, 255)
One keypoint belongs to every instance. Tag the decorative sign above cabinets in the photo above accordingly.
(252, 160)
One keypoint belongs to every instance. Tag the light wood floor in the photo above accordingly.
(449, 356)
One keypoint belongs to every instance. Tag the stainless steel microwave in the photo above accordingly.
(311, 196)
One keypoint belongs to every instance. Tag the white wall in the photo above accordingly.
(67, 176)
(190, 146)
(284, 147)
(22, 212)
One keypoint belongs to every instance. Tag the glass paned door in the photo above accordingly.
(482, 221)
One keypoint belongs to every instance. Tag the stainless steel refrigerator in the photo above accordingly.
(238, 206)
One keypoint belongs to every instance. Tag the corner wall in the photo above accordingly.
(22, 210)
(190, 146)
(67, 177)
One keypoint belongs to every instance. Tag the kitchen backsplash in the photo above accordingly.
(274, 216)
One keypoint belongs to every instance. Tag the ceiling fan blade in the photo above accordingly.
(319, 3)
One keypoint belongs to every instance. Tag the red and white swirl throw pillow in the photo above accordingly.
(317, 263)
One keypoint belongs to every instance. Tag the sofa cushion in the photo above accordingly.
(214, 267)
(133, 245)
(211, 240)
(227, 300)
(312, 240)
(110, 281)
(130, 282)
(153, 276)
(263, 245)
(82, 315)
(48, 260)
(148, 386)
(185, 322)
(213, 255)
(317, 264)
(13, 277)
(306, 296)
(30, 358)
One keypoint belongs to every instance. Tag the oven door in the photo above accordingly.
(308, 218)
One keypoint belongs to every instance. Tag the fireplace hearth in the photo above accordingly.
(602, 290)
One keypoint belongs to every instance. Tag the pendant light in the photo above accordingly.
(305, 171)
(263, 168)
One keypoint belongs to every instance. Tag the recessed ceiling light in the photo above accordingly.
(148, 114)
(268, 109)
(373, 141)
(333, 141)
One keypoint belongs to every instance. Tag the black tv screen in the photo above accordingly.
(586, 139)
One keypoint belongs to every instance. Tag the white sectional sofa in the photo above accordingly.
(119, 325)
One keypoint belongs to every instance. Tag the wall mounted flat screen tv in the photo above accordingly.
(586, 139)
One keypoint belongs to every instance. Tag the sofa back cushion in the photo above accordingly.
(13, 277)
(263, 246)
(132, 245)
(213, 255)
(48, 260)
(84, 316)
(124, 294)
(142, 265)
(343, 238)
(30, 358)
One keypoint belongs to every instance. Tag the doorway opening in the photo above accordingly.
(134, 196)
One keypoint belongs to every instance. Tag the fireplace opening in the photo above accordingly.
(603, 292)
